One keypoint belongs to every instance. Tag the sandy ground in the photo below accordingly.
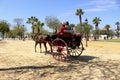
(18, 61)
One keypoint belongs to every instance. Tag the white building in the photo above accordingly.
(103, 37)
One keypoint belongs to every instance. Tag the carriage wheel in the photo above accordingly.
(77, 51)
(59, 49)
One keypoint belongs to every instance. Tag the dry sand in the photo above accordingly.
(18, 61)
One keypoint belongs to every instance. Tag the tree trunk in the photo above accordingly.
(86, 40)
(117, 31)
(3, 35)
(95, 37)
(86, 43)
(80, 21)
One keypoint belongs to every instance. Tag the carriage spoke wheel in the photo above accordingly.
(59, 49)
(77, 51)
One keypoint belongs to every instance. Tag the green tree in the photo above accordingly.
(107, 30)
(77, 29)
(12, 34)
(118, 29)
(18, 31)
(22, 31)
(18, 22)
(72, 26)
(39, 26)
(96, 21)
(32, 20)
(4, 28)
(102, 31)
(86, 30)
(111, 33)
(53, 23)
(80, 12)
(44, 31)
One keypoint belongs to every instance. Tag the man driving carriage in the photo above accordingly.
(62, 29)
(65, 28)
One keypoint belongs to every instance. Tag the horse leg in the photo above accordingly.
(50, 46)
(35, 45)
(40, 47)
(45, 46)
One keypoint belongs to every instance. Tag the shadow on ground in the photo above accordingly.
(83, 68)
(84, 58)
(71, 60)
(27, 67)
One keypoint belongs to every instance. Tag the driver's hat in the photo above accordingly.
(63, 23)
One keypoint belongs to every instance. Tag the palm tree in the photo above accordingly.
(107, 30)
(86, 30)
(39, 26)
(32, 20)
(118, 28)
(96, 21)
(80, 12)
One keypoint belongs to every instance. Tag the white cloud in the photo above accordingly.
(94, 10)
(100, 5)
(94, 6)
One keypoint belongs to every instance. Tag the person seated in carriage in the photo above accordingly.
(62, 29)
(68, 30)
(60, 33)
(67, 26)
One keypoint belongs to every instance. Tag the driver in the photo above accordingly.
(62, 29)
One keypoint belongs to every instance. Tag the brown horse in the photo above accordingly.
(40, 38)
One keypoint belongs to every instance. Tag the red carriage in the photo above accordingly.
(67, 45)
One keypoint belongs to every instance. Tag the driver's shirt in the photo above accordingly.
(61, 30)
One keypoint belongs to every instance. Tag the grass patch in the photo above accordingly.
(111, 40)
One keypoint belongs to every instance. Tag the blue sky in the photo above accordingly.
(64, 10)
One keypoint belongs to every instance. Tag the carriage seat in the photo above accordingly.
(67, 33)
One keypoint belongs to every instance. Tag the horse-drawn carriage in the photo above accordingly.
(62, 46)
(67, 45)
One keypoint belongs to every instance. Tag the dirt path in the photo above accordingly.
(18, 61)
